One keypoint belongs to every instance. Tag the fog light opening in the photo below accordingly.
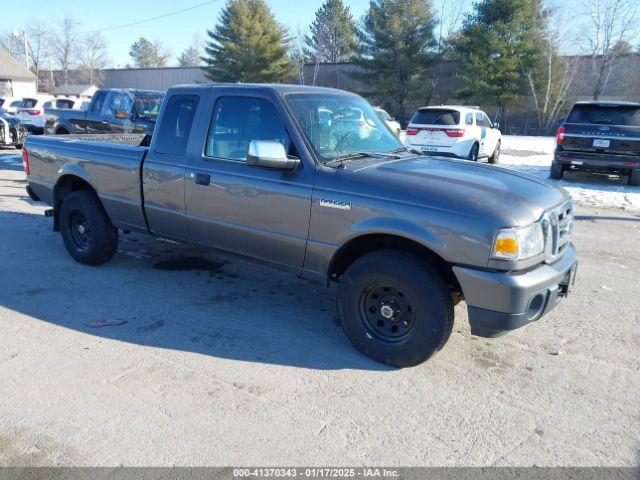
(536, 305)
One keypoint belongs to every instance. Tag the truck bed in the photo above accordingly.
(111, 164)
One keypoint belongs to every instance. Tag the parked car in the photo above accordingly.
(12, 132)
(245, 169)
(110, 111)
(31, 112)
(391, 123)
(453, 131)
(10, 105)
(600, 137)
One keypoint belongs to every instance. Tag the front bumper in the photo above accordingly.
(502, 301)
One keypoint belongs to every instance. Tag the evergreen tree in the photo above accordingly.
(332, 38)
(248, 45)
(500, 42)
(147, 54)
(396, 37)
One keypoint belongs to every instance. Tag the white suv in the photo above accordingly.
(31, 112)
(452, 131)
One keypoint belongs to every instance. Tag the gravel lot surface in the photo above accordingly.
(172, 355)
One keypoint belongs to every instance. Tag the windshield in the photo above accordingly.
(148, 104)
(606, 115)
(339, 125)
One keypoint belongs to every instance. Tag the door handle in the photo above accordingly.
(203, 179)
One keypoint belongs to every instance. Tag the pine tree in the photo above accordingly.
(396, 38)
(248, 45)
(332, 38)
(499, 42)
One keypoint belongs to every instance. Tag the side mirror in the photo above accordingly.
(496, 125)
(270, 154)
(123, 115)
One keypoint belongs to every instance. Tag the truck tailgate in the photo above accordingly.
(111, 169)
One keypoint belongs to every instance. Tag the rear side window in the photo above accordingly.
(64, 104)
(436, 116)
(175, 126)
(239, 120)
(605, 115)
(98, 102)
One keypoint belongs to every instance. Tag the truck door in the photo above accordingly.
(259, 212)
(92, 115)
(164, 167)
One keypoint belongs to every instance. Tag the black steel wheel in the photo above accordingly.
(387, 312)
(395, 308)
(86, 230)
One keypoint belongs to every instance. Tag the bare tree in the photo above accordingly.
(550, 82)
(297, 54)
(450, 16)
(64, 45)
(192, 55)
(609, 23)
(13, 42)
(39, 40)
(93, 55)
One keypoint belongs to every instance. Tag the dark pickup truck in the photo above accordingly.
(276, 174)
(600, 137)
(110, 111)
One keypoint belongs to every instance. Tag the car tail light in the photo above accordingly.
(34, 112)
(25, 161)
(560, 134)
(412, 131)
(455, 132)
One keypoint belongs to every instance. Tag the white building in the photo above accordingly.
(16, 80)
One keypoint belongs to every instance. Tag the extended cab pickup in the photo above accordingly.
(280, 174)
(110, 111)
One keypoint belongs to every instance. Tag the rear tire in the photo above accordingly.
(474, 152)
(495, 158)
(86, 230)
(634, 178)
(395, 308)
(557, 171)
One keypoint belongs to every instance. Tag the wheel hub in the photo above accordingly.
(387, 313)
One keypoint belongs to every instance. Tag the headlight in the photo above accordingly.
(519, 243)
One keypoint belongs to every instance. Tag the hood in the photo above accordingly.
(464, 187)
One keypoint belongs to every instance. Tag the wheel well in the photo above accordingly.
(62, 131)
(360, 246)
(67, 184)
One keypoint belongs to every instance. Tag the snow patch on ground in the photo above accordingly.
(533, 155)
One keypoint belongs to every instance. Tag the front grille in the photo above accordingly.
(559, 223)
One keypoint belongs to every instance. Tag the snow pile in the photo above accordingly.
(533, 155)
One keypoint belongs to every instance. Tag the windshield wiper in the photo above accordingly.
(407, 149)
(355, 155)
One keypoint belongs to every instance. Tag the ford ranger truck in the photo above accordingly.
(284, 175)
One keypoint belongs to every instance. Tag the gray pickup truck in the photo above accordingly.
(312, 181)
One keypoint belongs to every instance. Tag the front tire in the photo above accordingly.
(474, 152)
(395, 308)
(495, 158)
(557, 171)
(86, 230)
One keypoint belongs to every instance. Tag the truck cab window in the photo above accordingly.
(118, 102)
(174, 130)
(239, 120)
